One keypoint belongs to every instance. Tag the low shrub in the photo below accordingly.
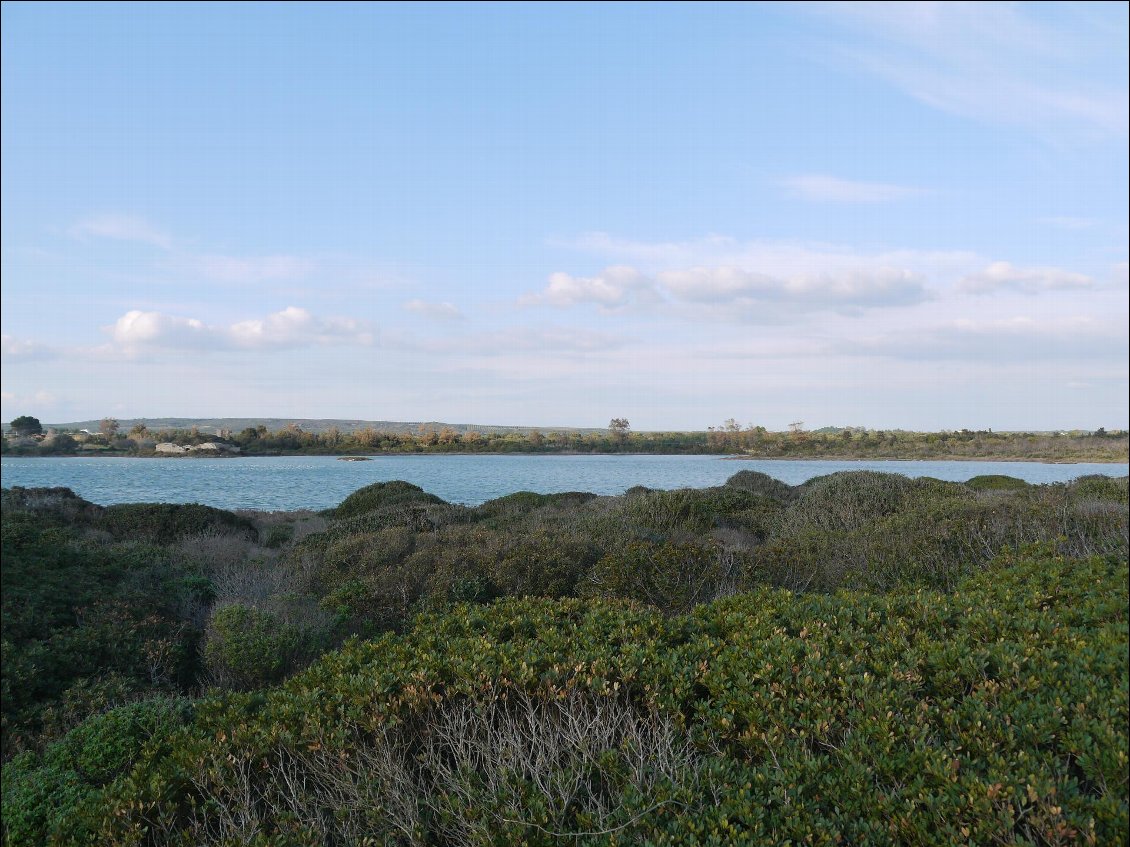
(163, 523)
(380, 495)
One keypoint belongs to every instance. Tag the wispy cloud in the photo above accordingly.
(443, 311)
(829, 189)
(1070, 223)
(780, 258)
(995, 62)
(525, 341)
(1004, 276)
(250, 269)
(22, 350)
(213, 267)
(291, 327)
(119, 227)
(1018, 338)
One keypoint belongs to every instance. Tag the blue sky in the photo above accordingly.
(847, 214)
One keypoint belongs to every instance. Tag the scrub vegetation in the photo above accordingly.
(862, 659)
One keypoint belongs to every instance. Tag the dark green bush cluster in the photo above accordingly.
(87, 625)
(162, 523)
(996, 713)
(380, 495)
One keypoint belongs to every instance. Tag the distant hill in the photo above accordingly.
(308, 425)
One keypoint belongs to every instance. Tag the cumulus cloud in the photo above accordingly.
(443, 311)
(1004, 276)
(613, 288)
(744, 292)
(291, 327)
(122, 228)
(830, 189)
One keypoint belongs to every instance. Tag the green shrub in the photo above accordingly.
(250, 648)
(994, 714)
(763, 484)
(380, 495)
(56, 798)
(672, 577)
(996, 482)
(163, 523)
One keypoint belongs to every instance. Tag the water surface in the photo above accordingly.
(318, 482)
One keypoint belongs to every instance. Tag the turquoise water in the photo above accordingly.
(318, 482)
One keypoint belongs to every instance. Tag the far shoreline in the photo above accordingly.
(571, 453)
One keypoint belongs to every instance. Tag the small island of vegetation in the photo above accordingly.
(864, 659)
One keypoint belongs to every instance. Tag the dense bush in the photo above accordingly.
(640, 708)
(87, 625)
(162, 523)
(251, 648)
(55, 799)
(996, 482)
(994, 714)
(381, 494)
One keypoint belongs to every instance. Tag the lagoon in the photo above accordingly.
(319, 482)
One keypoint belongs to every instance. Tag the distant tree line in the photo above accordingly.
(27, 437)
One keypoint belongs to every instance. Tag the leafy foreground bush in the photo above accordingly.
(995, 714)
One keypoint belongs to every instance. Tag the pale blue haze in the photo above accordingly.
(320, 482)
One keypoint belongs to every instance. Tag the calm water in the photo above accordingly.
(318, 482)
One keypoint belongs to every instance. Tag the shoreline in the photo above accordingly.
(720, 456)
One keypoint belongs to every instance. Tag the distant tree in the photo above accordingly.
(108, 427)
(27, 425)
(619, 427)
(139, 430)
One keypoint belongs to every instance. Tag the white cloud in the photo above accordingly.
(122, 228)
(1002, 276)
(435, 311)
(613, 288)
(881, 287)
(830, 189)
(22, 350)
(995, 62)
(739, 293)
(782, 259)
(291, 327)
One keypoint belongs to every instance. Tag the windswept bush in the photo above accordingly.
(763, 484)
(380, 495)
(996, 482)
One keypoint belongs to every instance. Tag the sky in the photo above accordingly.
(885, 215)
